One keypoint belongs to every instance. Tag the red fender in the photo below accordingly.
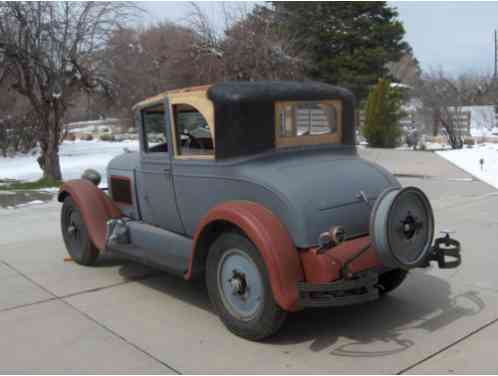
(95, 206)
(272, 240)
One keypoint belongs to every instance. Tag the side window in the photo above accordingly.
(155, 140)
(193, 136)
(307, 118)
(308, 122)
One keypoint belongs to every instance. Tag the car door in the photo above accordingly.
(155, 183)
(193, 158)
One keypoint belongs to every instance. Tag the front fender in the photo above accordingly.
(272, 240)
(95, 206)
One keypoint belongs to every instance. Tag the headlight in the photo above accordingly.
(92, 175)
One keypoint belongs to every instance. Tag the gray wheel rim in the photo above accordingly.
(240, 284)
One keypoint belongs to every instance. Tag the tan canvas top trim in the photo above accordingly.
(171, 94)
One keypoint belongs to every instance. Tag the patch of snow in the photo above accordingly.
(482, 119)
(428, 146)
(400, 85)
(469, 159)
(48, 190)
(90, 128)
(216, 52)
(34, 202)
(412, 105)
(75, 157)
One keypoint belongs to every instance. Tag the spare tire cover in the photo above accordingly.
(402, 227)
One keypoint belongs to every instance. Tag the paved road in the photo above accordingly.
(122, 317)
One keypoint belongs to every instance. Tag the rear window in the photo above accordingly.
(307, 122)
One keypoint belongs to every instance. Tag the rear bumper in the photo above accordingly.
(326, 284)
(360, 289)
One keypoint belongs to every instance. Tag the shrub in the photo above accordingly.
(469, 141)
(86, 137)
(107, 137)
(383, 113)
(70, 137)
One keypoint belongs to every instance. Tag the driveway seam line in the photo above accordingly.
(96, 289)
(62, 300)
(121, 337)
(27, 305)
(448, 346)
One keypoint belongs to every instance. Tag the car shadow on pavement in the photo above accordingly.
(424, 303)
(191, 292)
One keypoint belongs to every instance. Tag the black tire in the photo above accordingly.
(388, 281)
(75, 235)
(268, 317)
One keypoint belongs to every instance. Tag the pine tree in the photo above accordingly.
(383, 112)
(346, 43)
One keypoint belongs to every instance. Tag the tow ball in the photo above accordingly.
(446, 251)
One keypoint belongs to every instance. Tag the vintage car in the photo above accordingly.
(258, 188)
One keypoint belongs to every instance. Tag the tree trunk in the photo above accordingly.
(51, 163)
(436, 122)
(49, 159)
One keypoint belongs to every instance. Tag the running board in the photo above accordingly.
(153, 246)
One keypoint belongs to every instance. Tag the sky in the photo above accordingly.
(454, 36)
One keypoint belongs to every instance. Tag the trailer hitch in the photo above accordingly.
(446, 251)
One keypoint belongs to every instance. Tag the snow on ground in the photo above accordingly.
(428, 146)
(75, 156)
(482, 120)
(35, 202)
(468, 159)
(91, 129)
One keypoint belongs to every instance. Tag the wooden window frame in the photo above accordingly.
(319, 139)
(201, 103)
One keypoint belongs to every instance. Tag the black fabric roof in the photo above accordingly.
(245, 114)
(248, 91)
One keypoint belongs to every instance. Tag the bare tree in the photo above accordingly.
(443, 98)
(18, 125)
(53, 50)
(251, 47)
(406, 70)
(168, 55)
(157, 58)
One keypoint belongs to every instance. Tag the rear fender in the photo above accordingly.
(269, 236)
(95, 206)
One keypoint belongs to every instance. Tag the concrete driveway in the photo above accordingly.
(122, 317)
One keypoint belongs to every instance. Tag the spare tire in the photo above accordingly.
(402, 227)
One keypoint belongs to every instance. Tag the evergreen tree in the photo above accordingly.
(383, 113)
(347, 43)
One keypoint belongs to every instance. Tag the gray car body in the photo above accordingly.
(309, 188)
